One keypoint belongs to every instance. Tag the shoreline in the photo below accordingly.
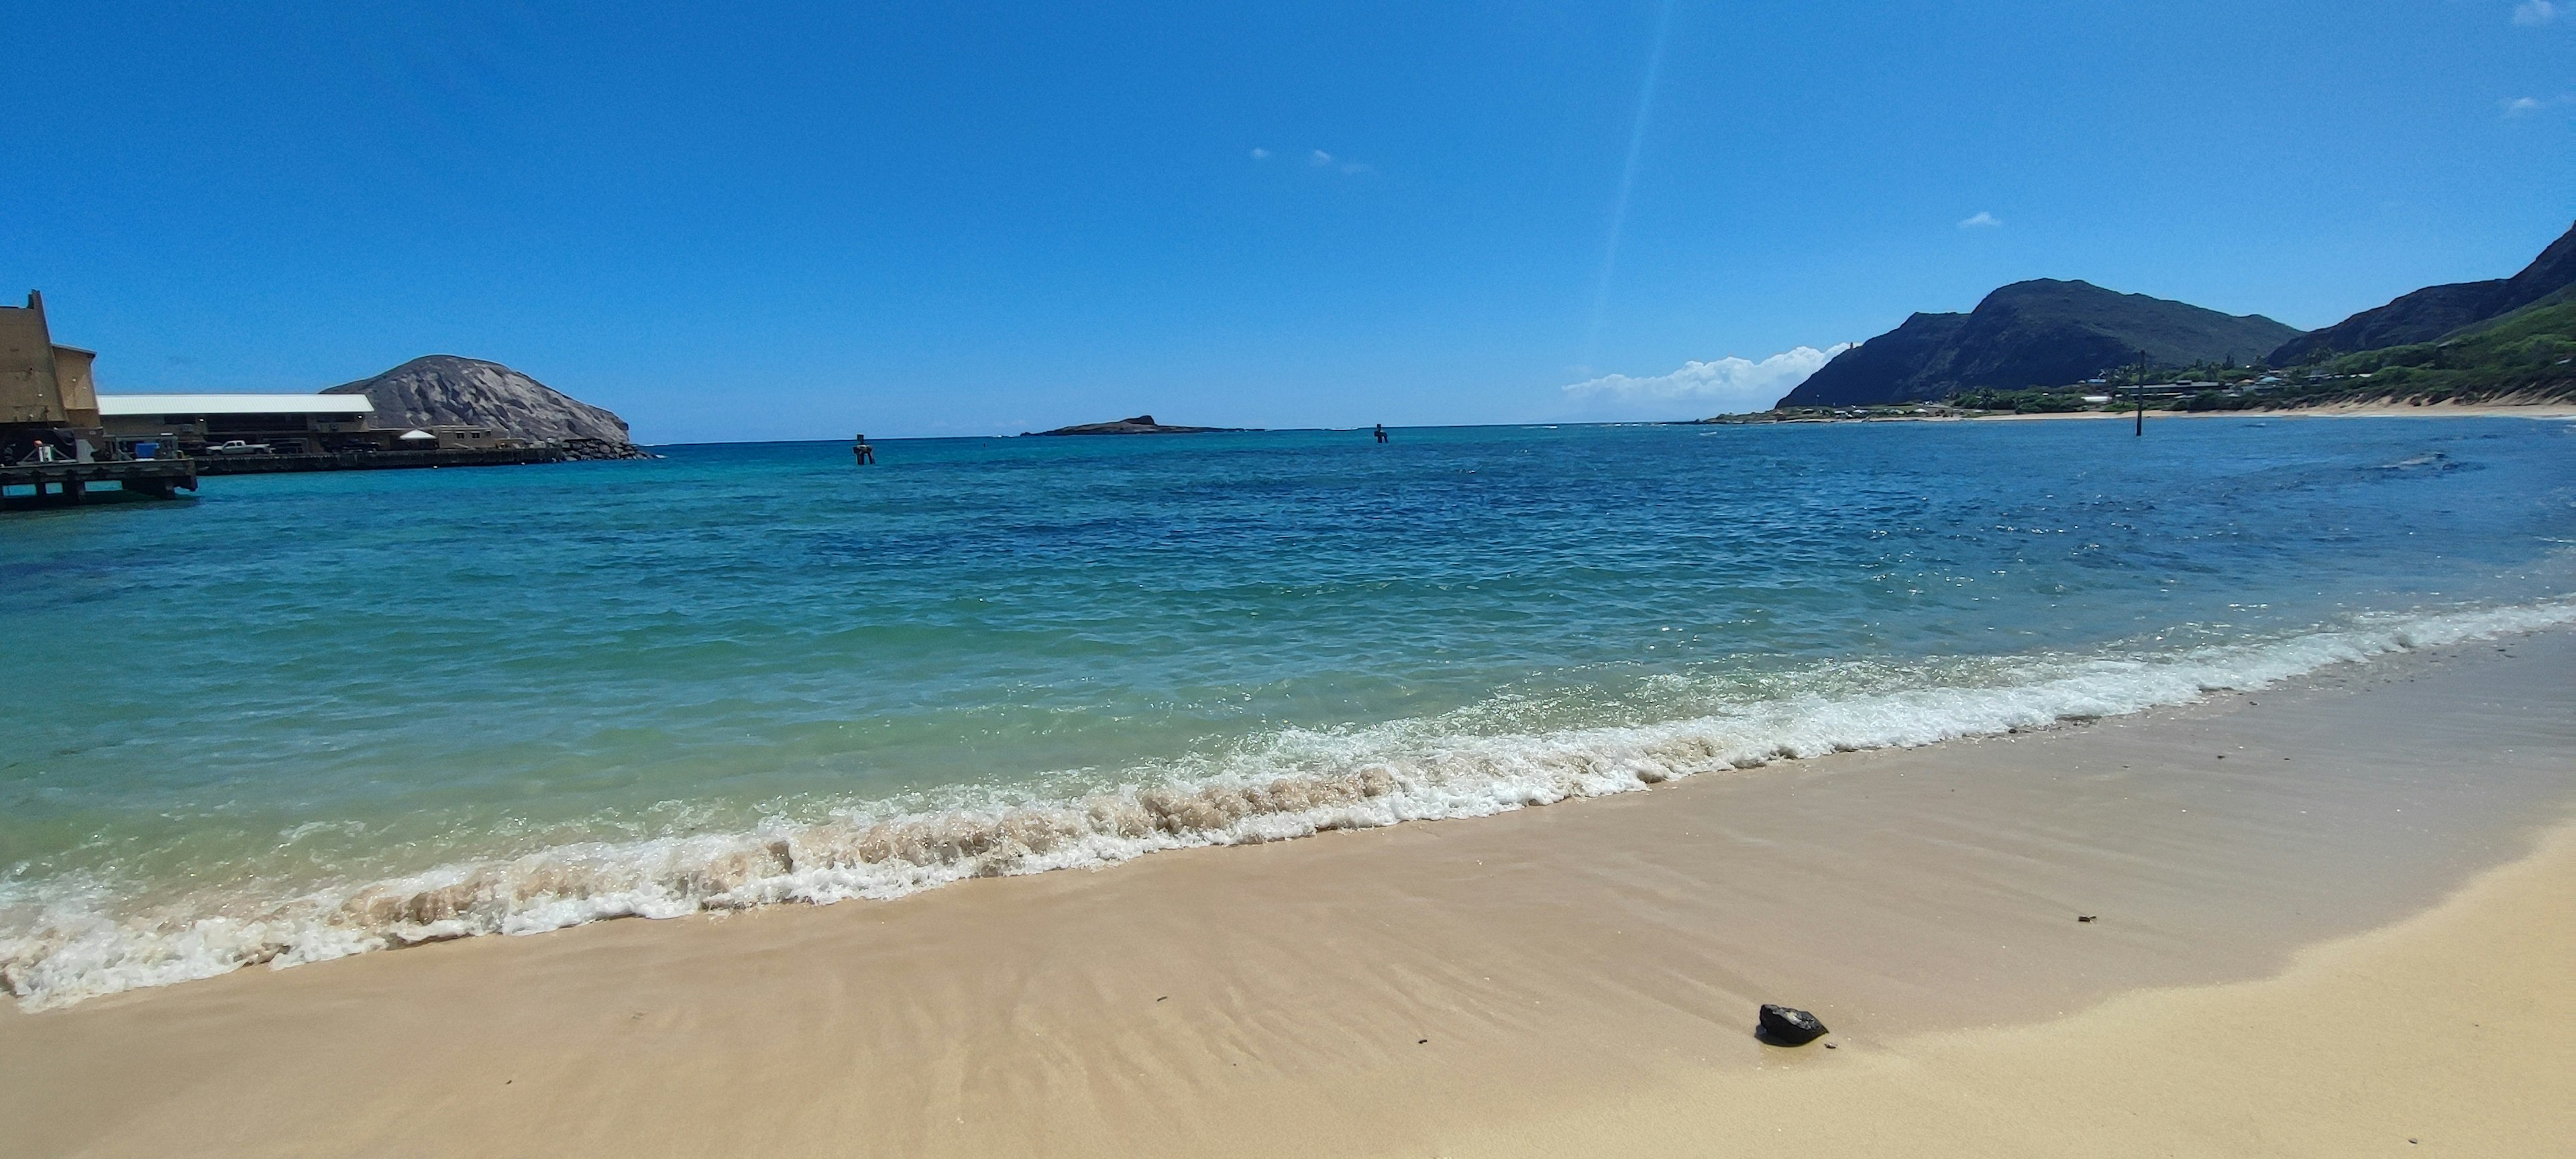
(1392, 781)
(2534, 410)
(1391, 979)
(2541, 410)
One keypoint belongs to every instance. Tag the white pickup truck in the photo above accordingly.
(238, 447)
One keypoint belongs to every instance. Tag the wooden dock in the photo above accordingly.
(64, 484)
(376, 460)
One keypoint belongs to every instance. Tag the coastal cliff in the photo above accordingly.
(2041, 332)
(445, 390)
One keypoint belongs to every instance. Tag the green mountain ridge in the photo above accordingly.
(2042, 332)
(2529, 353)
(2505, 338)
(2435, 312)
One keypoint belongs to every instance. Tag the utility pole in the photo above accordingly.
(2141, 391)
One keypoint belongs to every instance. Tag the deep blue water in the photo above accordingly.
(308, 715)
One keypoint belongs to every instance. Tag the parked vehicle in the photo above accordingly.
(238, 447)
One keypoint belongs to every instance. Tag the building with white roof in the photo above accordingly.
(329, 407)
(287, 423)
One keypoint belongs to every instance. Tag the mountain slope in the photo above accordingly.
(2528, 354)
(2434, 311)
(2036, 333)
(445, 390)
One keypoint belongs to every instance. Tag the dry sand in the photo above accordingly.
(1578, 979)
(2452, 1033)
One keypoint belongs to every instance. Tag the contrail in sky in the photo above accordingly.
(1627, 179)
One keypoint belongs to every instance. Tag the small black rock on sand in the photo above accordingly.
(1788, 1026)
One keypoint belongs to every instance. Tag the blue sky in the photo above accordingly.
(772, 220)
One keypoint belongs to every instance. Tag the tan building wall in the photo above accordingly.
(29, 391)
(78, 390)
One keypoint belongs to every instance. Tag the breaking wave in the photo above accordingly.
(64, 943)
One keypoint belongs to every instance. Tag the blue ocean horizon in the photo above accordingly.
(311, 715)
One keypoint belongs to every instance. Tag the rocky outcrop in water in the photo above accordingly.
(445, 390)
(1139, 425)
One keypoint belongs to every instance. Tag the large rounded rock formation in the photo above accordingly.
(445, 390)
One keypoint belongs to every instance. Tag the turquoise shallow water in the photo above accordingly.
(313, 715)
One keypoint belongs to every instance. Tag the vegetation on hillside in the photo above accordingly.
(2036, 401)
(2531, 351)
(2436, 313)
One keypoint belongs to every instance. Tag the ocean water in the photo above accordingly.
(308, 716)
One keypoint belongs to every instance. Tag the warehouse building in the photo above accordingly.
(284, 424)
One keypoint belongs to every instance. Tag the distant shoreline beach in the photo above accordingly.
(2546, 410)
(2537, 410)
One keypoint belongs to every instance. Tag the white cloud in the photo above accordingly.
(1319, 159)
(1983, 220)
(2522, 105)
(1260, 154)
(1726, 386)
(2531, 13)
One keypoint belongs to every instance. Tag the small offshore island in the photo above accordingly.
(1139, 425)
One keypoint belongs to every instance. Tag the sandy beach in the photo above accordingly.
(2347, 410)
(2449, 1033)
(2531, 410)
(544, 634)
(2331, 919)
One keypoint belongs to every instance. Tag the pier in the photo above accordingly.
(376, 460)
(68, 483)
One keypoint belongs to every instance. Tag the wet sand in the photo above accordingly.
(1573, 979)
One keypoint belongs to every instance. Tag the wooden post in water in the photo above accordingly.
(2140, 389)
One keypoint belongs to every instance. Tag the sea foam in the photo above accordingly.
(65, 940)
